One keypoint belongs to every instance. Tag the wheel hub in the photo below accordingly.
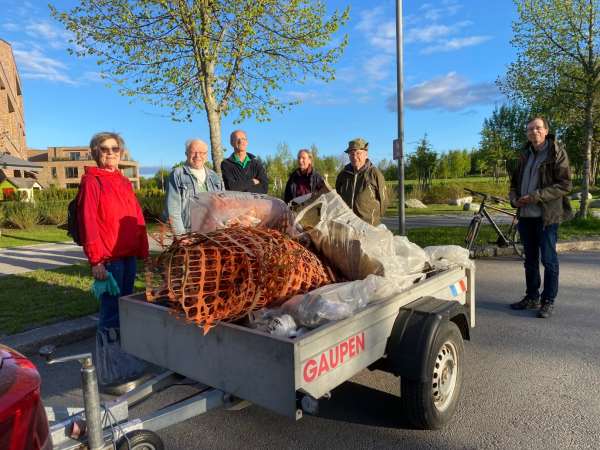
(445, 373)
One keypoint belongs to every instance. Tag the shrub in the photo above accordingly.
(152, 202)
(54, 193)
(21, 215)
(53, 212)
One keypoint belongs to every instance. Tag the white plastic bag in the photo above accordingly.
(443, 256)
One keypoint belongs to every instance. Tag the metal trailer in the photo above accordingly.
(416, 335)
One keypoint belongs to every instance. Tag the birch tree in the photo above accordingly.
(216, 56)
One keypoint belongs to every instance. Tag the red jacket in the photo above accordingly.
(111, 223)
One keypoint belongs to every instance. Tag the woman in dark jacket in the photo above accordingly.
(305, 179)
(113, 235)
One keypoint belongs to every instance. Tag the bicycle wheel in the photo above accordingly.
(511, 238)
(515, 240)
(472, 233)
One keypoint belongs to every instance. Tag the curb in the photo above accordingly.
(60, 333)
(491, 251)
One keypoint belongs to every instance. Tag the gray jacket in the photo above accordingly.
(182, 187)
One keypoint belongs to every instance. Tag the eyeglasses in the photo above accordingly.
(107, 150)
(538, 128)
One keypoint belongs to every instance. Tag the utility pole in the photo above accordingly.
(400, 99)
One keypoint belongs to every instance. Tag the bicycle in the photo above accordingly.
(507, 238)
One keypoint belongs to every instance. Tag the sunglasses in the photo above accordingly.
(107, 150)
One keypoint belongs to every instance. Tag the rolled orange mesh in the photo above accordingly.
(225, 274)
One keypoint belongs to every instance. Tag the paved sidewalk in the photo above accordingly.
(16, 260)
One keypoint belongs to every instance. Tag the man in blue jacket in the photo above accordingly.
(185, 182)
(243, 171)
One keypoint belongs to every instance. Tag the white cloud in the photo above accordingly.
(379, 33)
(447, 8)
(9, 26)
(95, 77)
(52, 35)
(450, 92)
(35, 65)
(314, 97)
(377, 67)
(434, 32)
(455, 44)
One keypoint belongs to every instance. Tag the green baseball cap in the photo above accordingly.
(357, 144)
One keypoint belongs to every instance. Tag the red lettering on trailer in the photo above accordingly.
(333, 357)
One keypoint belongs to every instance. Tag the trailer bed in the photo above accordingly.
(269, 370)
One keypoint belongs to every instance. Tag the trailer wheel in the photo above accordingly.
(430, 404)
(140, 440)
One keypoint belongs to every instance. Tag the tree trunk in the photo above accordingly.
(589, 130)
(214, 127)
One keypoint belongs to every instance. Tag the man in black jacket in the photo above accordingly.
(539, 190)
(243, 171)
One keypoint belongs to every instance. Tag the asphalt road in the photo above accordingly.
(529, 383)
(441, 220)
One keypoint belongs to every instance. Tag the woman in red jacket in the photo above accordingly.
(113, 234)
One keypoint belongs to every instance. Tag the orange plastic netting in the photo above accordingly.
(225, 274)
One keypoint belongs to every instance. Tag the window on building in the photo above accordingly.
(11, 108)
(71, 172)
(74, 156)
(72, 185)
(53, 171)
(17, 173)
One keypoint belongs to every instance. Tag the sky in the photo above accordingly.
(454, 51)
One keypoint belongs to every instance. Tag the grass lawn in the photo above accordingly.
(42, 297)
(572, 230)
(40, 234)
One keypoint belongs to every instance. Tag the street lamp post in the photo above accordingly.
(400, 99)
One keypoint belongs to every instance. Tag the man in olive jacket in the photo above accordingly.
(539, 189)
(361, 184)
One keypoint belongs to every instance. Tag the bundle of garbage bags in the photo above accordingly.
(377, 264)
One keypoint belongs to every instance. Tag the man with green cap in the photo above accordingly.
(361, 184)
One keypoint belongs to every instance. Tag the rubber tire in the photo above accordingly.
(518, 245)
(417, 397)
(139, 438)
(471, 236)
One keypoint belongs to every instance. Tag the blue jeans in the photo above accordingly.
(538, 239)
(123, 270)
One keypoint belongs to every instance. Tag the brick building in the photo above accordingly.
(12, 119)
(60, 166)
(16, 172)
(63, 166)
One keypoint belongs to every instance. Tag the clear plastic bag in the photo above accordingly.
(335, 301)
(215, 210)
(356, 248)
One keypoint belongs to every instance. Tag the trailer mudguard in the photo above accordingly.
(413, 334)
